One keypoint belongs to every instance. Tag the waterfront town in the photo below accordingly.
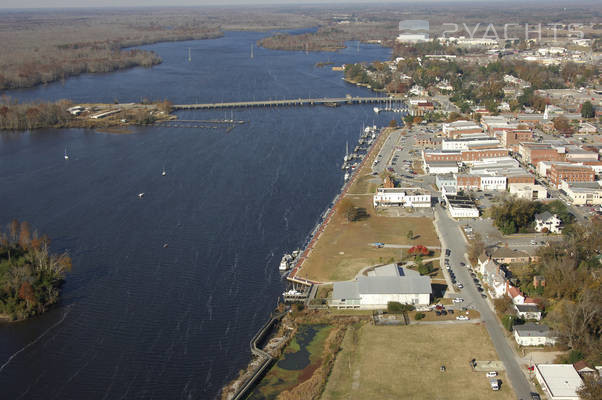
(467, 216)
(460, 259)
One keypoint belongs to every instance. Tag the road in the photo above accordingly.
(452, 238)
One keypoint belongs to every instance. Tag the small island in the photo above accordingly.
(30, 276)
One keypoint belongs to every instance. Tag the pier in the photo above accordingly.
(284, 103)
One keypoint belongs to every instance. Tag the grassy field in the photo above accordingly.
(345, 247)
(402, 362)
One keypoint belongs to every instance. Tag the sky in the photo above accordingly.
(154, 3)
(164, 3)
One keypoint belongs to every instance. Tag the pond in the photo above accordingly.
(301, 358)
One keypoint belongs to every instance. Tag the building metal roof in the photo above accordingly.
(388, 279)
(562, 380)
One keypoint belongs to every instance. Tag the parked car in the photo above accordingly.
(458, 300)
(475, 280)
(438, 313)
(443, 312)
(483, 295)
(462, 318)
(460, 285)
(450, 311)
(379, 245)
(463, 264)
(491, 374)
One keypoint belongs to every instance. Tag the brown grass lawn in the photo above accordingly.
(345, 247)
(402, 362)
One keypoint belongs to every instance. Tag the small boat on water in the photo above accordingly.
(376, 110)
(346, 176)
(140, 195)
(164, 173)
(66, 155)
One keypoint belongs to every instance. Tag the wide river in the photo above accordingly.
(139, 320)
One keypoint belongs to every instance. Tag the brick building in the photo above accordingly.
(570, 173)
(477, 155)
(438, 155)
(468, 182)
(533, 153)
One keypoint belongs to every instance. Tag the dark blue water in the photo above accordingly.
(138, 320)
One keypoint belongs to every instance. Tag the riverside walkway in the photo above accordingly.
(334, 101)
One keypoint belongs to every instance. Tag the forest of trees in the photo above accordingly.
(24, 116)
(30, 276)
(514, 215)
(573, 288)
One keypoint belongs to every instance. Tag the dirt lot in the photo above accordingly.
(402, 362)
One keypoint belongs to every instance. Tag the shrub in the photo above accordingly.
(395, 307)
(419, 316)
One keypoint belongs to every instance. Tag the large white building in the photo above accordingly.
(403, 197)
(466, 141)
(558, 381)
(453, 129)
(531, 334)
(528, 191)
(460, 206)
(583, 193)
(441, 167)
(381, 286)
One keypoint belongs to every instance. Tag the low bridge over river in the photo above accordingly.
(334, 101)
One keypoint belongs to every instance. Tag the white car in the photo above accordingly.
(491, 374)
(460, 285)
(462, 318)
(458, 300)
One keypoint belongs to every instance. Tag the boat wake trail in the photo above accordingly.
(36, 339)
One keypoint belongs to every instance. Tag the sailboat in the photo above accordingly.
(66, 155)
(164, 173)
(189, 56)
(252, 56)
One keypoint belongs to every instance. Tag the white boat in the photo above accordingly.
(66, 155)
(346, 176)
(376, 110)
(140, 195)
(346, 158)
(163, 173)
(286, 262)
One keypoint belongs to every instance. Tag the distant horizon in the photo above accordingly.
(88, 4)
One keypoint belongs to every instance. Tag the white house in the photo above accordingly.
(558, 381)
(404, 197)
(531, 334)
(549, 221)
(528, 311)
(380, 286)
(493, 278)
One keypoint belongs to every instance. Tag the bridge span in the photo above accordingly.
(334, 101)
